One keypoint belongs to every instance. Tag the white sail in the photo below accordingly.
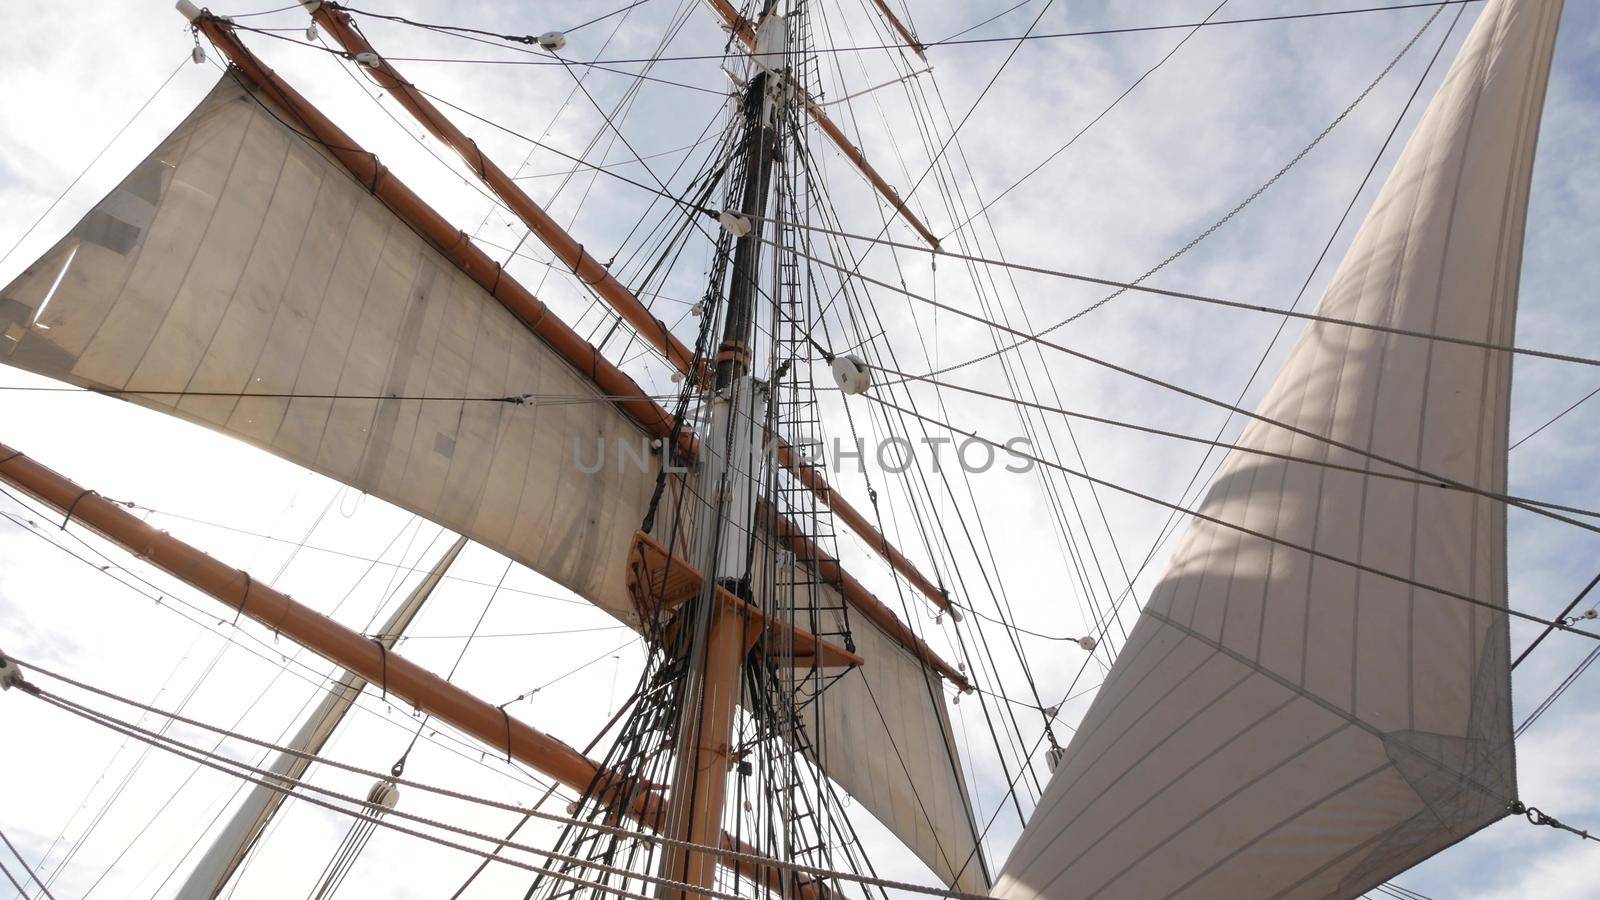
(884, 735)
(240, 260)
(1283, 726)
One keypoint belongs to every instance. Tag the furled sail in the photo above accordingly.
(239, 278)
(1285, 726)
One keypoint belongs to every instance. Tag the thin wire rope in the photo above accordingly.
(29, 666)
(1214, 226)
(1554, 419)
(1222, 404)
(952, 42)
(266, 778)
(1139, 287)
(319, 680)
(1242, 448)
(1091, 123)
(602, 18)
(25, 869)
(74, 183)
(1311, 551)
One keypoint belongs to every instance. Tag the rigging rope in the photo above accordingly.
(108, 719)
(954, 42)
(1311, 551)
(79, 177)
(25, 869)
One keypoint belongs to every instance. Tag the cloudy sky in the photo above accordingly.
(1199, 134)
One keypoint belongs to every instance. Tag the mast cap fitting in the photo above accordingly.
(733, 223)
(552, 40)
(187, 9)
(853, 376)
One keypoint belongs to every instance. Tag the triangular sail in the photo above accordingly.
(1283, 726)
(241, 279)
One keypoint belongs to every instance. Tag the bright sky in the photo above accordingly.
(1227, 110)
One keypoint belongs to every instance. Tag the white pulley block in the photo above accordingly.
(854, 377)
(384, 795)
(1088, 643)
(369, 59)
(733, 223)
(552, 40)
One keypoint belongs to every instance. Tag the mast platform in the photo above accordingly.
(660, 582)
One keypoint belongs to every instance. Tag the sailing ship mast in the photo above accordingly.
(1266, 693)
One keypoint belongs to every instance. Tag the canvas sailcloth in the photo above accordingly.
(241, 279)
(1284, 726)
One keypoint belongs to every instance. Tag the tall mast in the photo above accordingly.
(713, 677)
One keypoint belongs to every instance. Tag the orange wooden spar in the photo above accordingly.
(388, 671)
(806, 551)
(453, 243)
(900, 28)
(342, 29)
(811, 476)
(747, 34)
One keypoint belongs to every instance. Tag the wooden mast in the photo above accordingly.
(341, 27)
(718, 641)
